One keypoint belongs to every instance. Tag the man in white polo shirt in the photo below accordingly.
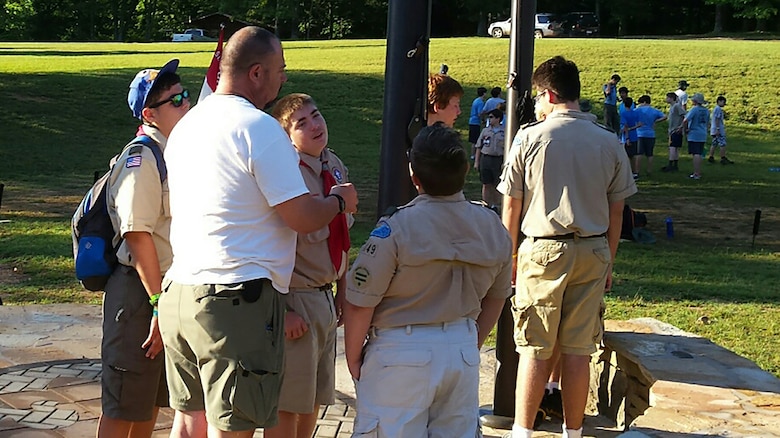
(237, 202)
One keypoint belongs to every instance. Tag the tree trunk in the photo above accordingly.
(718, 19)
(761, 24)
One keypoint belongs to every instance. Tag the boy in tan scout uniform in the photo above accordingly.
(320, 260)
(565, 183)
(426, 288)
(133, 381)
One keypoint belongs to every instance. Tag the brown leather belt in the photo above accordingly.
(569, 236)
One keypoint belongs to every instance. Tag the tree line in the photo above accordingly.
(155, 20)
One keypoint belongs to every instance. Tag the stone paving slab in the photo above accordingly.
(49, 379)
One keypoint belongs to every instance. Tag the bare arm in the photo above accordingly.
(144, 254)
(307, 213)
(491, 310)
(357, 321)
(613, 234)
(340, 299)
(511, 218)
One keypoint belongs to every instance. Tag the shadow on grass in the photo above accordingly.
(64, 53)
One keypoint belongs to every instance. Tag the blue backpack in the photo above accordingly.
(93, 233)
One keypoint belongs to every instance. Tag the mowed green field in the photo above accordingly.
(64, 115)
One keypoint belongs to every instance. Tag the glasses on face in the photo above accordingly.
(176, 100)
(538, 97)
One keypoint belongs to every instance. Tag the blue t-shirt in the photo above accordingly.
(629, 118)
(610, 94)
(622, 106)
(717, 126)
(698, 118)
(476, 109)
(647, 115)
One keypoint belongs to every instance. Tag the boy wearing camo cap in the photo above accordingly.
(320, 260)
(426, 289)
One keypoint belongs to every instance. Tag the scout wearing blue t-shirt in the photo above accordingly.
(695, 125)
(475, 118)
(648, 117)
(629, 123)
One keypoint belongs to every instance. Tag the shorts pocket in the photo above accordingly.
(520, 313)
(603, 255)
(470, 356)
(382, 367)
(545, 252)
(366, 427)
(255, 395)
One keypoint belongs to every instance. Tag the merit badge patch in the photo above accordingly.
(382, 230)
(134, 161)
(360, 276)
(337, 174)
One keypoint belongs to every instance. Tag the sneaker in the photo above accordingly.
(711, 159)
(552, 403)
(694, 176)
(724, 161)
(666, 169)
(636, 176)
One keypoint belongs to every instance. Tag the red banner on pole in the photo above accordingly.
(212, 74)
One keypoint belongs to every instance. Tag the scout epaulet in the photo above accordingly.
(534, 123)
(136, 150)
(480, 203)
(605, 127)
(390, 211)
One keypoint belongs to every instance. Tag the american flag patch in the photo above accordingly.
(134, 161)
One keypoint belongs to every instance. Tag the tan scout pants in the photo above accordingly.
(420, 381)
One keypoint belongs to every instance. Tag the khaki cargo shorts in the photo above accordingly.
(225, 351)
(310, 361)
(132, 384)
(559, 294)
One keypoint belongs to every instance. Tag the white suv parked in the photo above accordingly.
(544, 26)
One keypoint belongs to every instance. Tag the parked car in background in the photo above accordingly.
(580, 24)
(545, 25)
(191, 35)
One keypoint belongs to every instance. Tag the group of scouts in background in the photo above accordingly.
(635, 125)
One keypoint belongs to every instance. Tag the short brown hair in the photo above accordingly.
(438, 160)
(442, 88)
(286, 106)
(560, 76)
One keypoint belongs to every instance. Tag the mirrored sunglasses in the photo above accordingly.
(176, 100)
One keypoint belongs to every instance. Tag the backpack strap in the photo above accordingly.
(158, 154)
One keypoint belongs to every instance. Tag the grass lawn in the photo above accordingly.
(64, 115)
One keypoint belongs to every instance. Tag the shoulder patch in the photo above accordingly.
(528, 125)
(133, 161)
(136, 150)
(381, 231)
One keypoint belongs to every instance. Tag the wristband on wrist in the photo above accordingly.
(342, 204)
(154, 299)
(155, 313)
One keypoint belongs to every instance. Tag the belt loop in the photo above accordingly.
(444, 326)
(372, 332)
(409, 329)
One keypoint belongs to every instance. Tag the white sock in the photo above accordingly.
(550, 386)
(572, 433)
(521, 432)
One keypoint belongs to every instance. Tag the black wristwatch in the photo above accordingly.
(342, 204)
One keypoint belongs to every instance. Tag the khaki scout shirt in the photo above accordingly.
(432, 261)
(138, 202)
(491, 142)
(313, 267)
(567, 169)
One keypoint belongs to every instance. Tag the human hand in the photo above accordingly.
(153, 343)
(608, 284)
(348, 192)
(294, 326)
(354, 368)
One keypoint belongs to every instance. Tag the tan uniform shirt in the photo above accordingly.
(432, 261)
(313, 267)
(491, 142)
(567, 169)
(138, 202)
